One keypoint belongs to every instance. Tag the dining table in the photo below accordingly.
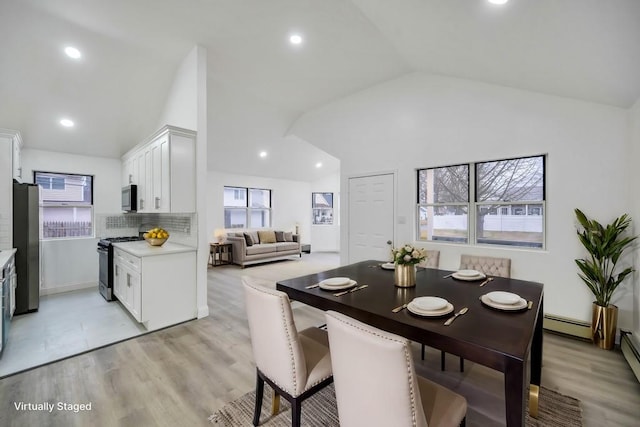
(504, 340)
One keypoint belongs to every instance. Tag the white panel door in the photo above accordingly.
(371, 213)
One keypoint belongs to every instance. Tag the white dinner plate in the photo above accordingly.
(335, 281)
(435, 313)
(430, 303)
(388, 266)
(479, 276)
(502, 297)
(522, 304)
(468, 273)
(348, 285)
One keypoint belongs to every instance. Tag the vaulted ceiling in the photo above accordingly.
(259, 84)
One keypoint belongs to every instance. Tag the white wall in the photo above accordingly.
(181, 106)
(186, 107)
(73, 263)
(326, 238)
(634, 160)
(420, 121)
(291, 201)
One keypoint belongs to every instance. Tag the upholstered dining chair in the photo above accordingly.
(491, 266)
(432, 261)
(384, 390)
(295, 364)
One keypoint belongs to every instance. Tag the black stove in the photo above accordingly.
(105, 256)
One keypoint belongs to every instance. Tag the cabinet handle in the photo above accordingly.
(157, 202)
(128, 280)
(20, 172)
(116, 270)
(141, 204)
(130, 179)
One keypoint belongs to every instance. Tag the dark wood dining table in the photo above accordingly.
(501, 340)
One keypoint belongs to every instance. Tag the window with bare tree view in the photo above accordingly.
(504, 201)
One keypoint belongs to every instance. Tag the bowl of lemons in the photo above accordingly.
(156, 236)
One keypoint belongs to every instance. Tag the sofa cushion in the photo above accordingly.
(248, 239)
(254, 236)
(287, 246)
(262, 248)
(288, 236)
(279, 236)
(267, 236)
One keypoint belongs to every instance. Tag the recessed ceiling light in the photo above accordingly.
(319, 164)
(498, 1)
(72, 52)
(263, 154)
(295, 39)
(67, 123)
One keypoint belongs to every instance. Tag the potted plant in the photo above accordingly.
(605, 245)
(405, 259)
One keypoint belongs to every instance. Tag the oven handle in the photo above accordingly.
(101, 250)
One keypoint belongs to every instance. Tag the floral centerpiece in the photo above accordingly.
(408, 255)
(405, 259)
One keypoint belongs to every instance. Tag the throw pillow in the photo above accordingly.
(288, 236)
(254, 236)
(279, 236)
(267, 236)
(248, 240)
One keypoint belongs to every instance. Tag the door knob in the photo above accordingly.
(389, 242)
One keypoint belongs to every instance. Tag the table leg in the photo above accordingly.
(275, 403)
(514, 392)
(536, 364)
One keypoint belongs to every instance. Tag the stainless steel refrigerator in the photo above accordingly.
(26, 239)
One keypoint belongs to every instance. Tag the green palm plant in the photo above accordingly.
(605, 246)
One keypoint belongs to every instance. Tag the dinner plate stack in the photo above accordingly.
(337, 283)
(430, 306)
(388, 266)
(504, 300)
(469, 275)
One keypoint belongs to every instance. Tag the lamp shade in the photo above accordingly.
(219, 234)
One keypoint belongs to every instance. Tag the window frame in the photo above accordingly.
(44, 204)
(314, 208)
(247, 207)
(474, 204)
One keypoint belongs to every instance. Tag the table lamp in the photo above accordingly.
(219, 234)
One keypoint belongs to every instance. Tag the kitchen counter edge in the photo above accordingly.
(5, 256)
(143, 249)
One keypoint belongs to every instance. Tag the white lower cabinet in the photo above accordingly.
(158, 290)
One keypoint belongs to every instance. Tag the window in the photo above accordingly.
(247, 207)
(66, 202)
(506, 206)
(322, 207)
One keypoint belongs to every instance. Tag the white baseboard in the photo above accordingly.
(68, 288)
(631, 353)
(203, 311)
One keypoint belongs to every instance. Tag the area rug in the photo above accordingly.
(555, 410)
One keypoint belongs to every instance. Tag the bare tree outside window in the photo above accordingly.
(508, 202)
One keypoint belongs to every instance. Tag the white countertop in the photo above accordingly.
(5, 254)
(142, 248)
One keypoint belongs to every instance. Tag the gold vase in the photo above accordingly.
(405, 275)
(604, 321)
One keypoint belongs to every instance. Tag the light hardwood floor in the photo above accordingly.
(180, 375)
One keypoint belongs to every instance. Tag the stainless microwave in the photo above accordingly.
(129, 198)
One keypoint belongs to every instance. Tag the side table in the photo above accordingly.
(220, 254)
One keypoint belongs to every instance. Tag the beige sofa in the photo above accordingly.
(266, 245)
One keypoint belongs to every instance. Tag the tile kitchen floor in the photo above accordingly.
(65, 324)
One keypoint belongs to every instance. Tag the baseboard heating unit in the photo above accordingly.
(566, 326)
(631, 353)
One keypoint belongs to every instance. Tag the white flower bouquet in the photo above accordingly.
(408, 255)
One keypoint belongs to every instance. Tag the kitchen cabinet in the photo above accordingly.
(156, 284)
(7, 293)
(163, 168)
(10, 168)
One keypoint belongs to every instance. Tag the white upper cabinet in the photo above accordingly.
(10, 146)
(163, 168)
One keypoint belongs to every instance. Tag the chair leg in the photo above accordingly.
(442, 355)
(422, 353)
(461, 364)
(259, 393)
(296, 407)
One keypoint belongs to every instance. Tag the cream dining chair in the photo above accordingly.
(432, 261)
(384, 390)
(295, 364)
(491, 266)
